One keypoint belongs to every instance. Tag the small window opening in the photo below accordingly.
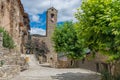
(2, 7)
(52, 15)
(8, 1)
(2, 10)
(52, 18)
(52, 9)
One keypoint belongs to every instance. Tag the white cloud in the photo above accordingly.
(38, 31)
(35, 18)
(66, 8)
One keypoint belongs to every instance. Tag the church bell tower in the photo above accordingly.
(51, 21)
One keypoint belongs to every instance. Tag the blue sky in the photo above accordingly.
(37, 12)
(38, 22)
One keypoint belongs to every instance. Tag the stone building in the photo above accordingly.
(51, 23)
(97, 64)
(10, 64)
(15, 21)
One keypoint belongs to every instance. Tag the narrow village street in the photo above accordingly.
(59, 33)
(44, 72)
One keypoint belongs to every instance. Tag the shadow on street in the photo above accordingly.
(76, 76)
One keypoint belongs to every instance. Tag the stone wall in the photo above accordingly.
(11, 62)
(1, 39)
(51, 22)
(7, 72)
(8, 62)
(15, 21)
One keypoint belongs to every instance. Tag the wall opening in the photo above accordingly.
(52, 15)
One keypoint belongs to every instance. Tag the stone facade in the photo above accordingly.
(96, 64)
(51, 24)
(1, 39)
(11, 62)
(15, 21)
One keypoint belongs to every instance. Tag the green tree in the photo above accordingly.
(7, 39)
(66, 41)
(40, 47)
(99, 26)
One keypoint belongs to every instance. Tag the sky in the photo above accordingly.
(37, 12)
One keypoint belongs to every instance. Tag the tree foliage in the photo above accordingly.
(66, 41)
(39, 47)
(99, 26)
(7, 39)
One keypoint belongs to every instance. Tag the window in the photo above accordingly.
(52, 9)
(52, 18)
(8, 1)
(2, 9)
(52, 15)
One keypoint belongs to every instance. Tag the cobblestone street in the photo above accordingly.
(44, 72)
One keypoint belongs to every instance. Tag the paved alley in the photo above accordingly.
(44, 72)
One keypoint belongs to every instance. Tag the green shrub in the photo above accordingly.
(1, 63)
(107, 76)
(7, 39)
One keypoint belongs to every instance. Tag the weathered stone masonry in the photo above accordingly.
(15, 21)
(51, 23)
